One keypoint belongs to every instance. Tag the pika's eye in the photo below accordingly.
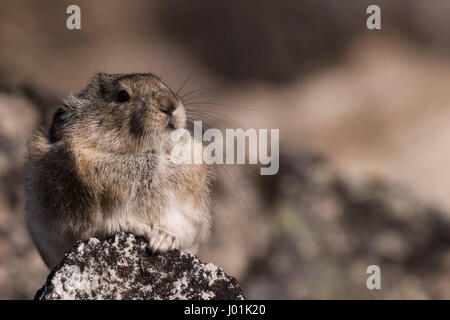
(123, 96)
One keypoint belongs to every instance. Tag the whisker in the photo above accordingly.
(208, 89)
(163, 67)
(185, 82)
(211, 117)
(252, 108)
(229, 173)
(204, 123)
(189, 127)
(213, 114)
(236, 189)
(155, 59)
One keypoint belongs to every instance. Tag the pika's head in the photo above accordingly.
(121, 113)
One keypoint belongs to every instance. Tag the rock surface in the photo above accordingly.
(123, 268)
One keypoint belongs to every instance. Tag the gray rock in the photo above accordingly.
(22, 109)
(328, 228)
(123, 268)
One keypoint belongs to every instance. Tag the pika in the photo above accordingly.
(104, 167)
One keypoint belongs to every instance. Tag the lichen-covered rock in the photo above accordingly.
(123, 268)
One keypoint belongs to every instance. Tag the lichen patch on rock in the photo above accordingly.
(122, 267)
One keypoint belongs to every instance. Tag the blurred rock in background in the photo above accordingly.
(260, 40)
(257, 40)
(326, 231)
(373, 104)
(22, 110)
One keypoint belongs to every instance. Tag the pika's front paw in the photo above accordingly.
(162, 240)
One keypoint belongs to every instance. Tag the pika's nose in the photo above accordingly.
(169, 107)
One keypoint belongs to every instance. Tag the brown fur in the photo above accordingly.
(105, 168)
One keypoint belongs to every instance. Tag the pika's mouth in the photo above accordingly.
(166, 112)
(170, 125)
(177, 119)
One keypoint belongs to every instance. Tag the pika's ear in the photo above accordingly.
(61, 117)
(99, 85)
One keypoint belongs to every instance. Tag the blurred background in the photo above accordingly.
(364, 131)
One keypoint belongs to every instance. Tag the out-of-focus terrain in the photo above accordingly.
(363, 118)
